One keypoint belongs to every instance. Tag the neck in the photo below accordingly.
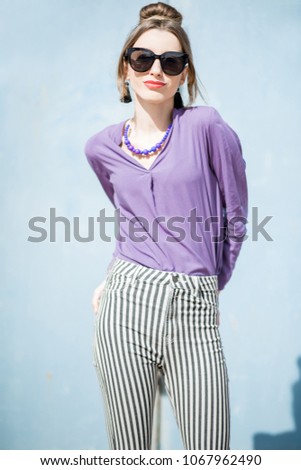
(152, 117)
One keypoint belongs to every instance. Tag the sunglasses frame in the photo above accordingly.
(161, 57)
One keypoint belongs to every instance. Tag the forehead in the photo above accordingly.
(158, 41)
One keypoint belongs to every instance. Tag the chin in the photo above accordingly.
(153, 97)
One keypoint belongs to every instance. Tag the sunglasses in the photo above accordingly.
(141, 60)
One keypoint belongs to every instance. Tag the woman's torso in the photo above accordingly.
(168, 205)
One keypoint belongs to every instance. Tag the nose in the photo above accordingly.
(156, 68)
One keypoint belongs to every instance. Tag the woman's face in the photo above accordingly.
(157, 41)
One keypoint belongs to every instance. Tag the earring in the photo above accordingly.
(126, 97)
(178, 102)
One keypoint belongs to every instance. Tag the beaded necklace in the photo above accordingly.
(153, 149)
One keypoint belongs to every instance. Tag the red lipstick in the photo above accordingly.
(153, 84)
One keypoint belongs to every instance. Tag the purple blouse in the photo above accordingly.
(188, 211)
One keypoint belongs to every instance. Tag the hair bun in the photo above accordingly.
(160, 11)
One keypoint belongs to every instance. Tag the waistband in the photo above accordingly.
(135, 271)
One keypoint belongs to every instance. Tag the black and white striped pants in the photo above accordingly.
(149, 320)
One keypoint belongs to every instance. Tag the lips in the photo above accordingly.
(153, 84)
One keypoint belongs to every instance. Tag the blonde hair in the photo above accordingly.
(167, 18)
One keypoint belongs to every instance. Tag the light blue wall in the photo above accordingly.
(58, 60)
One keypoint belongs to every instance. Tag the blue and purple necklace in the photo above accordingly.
(153, 149)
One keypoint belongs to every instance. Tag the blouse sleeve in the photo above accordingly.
(229, 166)
(91, 152)
(94, 160)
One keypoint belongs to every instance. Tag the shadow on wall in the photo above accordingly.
(290, 440)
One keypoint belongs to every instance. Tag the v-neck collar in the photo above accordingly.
(118, 138)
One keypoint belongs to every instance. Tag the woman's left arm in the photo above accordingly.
(229, 166)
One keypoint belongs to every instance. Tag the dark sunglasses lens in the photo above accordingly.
(173, 65)
(141, 61)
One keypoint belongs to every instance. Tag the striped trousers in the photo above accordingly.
(150, 320)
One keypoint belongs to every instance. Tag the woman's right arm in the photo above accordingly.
(93, 152)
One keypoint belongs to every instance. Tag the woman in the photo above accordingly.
(177, 178)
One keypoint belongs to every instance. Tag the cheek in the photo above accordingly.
(174, 85)
(174, 81)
